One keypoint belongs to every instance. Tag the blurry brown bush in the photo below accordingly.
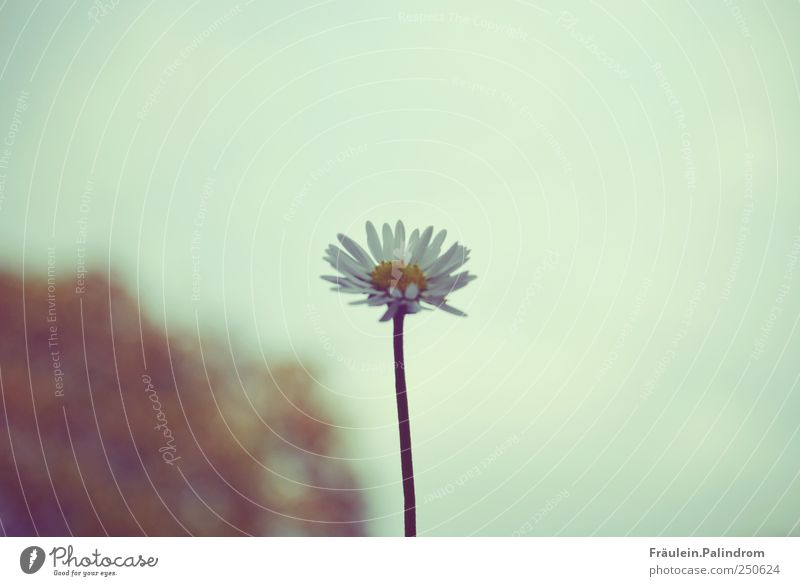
(247, 451)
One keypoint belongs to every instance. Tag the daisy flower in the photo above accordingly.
(401, 273)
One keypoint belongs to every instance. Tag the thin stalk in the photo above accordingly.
(406, 463)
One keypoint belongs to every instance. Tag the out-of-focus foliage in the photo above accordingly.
(153, 434)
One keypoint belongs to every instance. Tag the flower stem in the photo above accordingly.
(407, 466)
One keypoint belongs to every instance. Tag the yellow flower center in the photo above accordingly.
(397, 274)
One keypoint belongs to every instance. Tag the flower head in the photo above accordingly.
(399, 273)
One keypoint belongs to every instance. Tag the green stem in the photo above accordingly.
(406, 463)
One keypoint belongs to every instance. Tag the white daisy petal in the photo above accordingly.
(346, 269)
(375, 298)
(432, 300)
(412, 242)
(345, 282)
(379, 299)
(434, 250)
(358, 253)
(395, 292)
(450, 289)
(439, 240)
(388, 242)
(435, 268)
(451, 309)
(353, 284)
(399, 239)
(390, 312)
(447, 281)
(360, 302)
(438, 292)
(422, 246)
(374, 243)
(343, 263)
(455, 263)
(412, 291)
(335, 253)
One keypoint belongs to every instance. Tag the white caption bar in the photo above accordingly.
(616, 561)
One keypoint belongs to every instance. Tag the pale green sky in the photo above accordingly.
(625, 175)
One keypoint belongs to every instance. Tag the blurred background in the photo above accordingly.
(624, 174)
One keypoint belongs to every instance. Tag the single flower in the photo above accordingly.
(401, 274)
